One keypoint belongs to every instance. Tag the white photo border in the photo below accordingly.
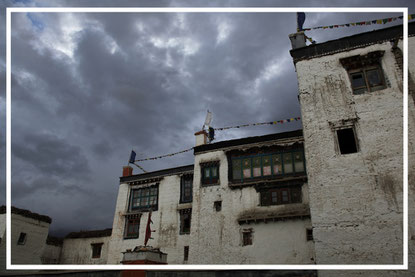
(11, 10)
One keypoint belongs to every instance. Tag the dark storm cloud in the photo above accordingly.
(87, 88)
(51, 155)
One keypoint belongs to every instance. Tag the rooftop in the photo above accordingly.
(351, 42)
(89, 234)
(248, 140)
(27, 213)
(209, 147)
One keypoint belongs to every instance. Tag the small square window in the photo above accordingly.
(218, 205)
(132, 226)
(309, 234)
(247, 237)
(22, 239)
(210, 173)
(347, 141)
(96, 250)
(365, 72)
(186, 253)
(185, 221)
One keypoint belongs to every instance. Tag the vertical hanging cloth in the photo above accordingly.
(300, 21)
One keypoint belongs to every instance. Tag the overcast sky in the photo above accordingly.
(89, 87)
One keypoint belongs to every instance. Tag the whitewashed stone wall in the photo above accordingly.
(51, 254)
(166, 222)
(79, 250)
(355, 199)
(216, 236)
(36, 234)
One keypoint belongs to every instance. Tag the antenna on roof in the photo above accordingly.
(208, 120)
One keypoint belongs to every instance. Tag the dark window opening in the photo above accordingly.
(185, 221)
(210, 174)
(247, 237)
(132, 226)
(144, 198)
(280, 196)
(186, 253)
(347, 141)
(96, 250)
(22, 239)
(309, 234)
(186, 190)
(218, 205)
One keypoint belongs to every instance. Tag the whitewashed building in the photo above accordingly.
(351, 96)
(226, 208)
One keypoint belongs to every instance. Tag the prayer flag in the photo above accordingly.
(132, 157)
(300, 20)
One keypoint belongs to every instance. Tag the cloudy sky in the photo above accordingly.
(89, 87)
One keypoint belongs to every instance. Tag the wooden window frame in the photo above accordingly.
(185, 214)
(267, 196)
(273, 173)
(247, 237)
(183, 185)
(22, 239)
(96, 247)
(210, 180)
(367, 87)
(132, 220)
(147, 207)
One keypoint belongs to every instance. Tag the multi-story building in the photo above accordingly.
(351, 96)
(331, 193)
(239, 202)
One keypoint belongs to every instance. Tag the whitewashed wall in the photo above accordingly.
(51, 254)
(356, 199)
(216, 236)
(79, 250)
(166, 222)
(37, 232)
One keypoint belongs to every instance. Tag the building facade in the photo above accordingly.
(225, 208)
(351, 95)
(331, 193)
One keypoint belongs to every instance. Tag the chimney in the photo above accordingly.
(297, 40)
(127, 171)
(201, 137)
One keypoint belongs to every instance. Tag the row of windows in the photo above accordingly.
(132, 224)
(267, 165)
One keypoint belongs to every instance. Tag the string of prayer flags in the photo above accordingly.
(164, 156)
(219, 129)
(262, 123)
(362, 23)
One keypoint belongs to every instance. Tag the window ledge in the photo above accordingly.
(279, 213)
(183, 206)
(265, 182)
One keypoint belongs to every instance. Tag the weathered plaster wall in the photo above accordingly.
(37, 232)
(355, 199)
(216, 236)
(51, 254)
(79, 250)
(2, 226)
(166, 222)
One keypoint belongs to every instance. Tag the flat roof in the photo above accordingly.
(351, 42)
(27, 213)
(210, 147)
(158, 173)
(89, 234)
(248, 140)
